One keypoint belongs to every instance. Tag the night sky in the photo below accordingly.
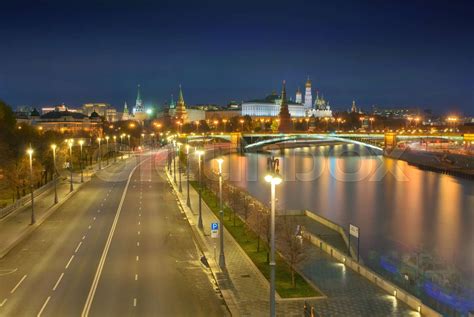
(388, 53)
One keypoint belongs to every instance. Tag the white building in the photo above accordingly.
(270, 107)
(308, 97)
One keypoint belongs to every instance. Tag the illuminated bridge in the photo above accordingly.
(375, 141)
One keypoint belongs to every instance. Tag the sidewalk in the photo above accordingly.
(348, 294)
(17, 225)
(248, 288)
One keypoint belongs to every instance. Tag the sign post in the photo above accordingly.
(354, 231)
(214, 230)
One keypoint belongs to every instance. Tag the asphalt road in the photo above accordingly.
(119, 247)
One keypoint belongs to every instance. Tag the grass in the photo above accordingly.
(248, 242)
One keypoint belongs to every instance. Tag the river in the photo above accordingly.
(399, 208)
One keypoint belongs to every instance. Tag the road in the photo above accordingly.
(119, 247)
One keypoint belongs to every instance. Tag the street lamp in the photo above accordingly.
(274, 179)
(221, 218)
(115, 148)
(174, 162)
(107, 148)
(121, 145)
(241, 125)
(188, 201)
(81, 143)
(129, 144)
(53, 147)
(30, 154)
(199, 154)
(70, 143)
(100, 154)
(179, 167)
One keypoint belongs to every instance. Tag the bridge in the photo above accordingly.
(376, 141)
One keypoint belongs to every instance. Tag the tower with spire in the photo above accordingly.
(308, 98)
(299, 97)
(126, 114)
(180, 112)
(284, 115)
(139, 110)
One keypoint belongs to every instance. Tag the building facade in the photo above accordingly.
(270, 107)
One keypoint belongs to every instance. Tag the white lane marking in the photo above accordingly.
(138, 244)
(98, 210)
(44, 306)
(89, 227)
(137, 258)
(69, 262)
(139, 208)
(3, 302)
(139, 223)
(59, 281)
(83, 237)
(139, 215)
(134, 302)
(78, 246)
(101, 205)
(136, 277)
(18, 284)
(95, 282)
(138, 232)
(94, 218)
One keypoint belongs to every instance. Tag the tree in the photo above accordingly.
(291, 242)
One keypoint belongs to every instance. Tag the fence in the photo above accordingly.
(24, 200)
(376, 279)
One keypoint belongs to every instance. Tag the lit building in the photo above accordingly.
(321, 108)
(299, 96)
(270, 107)
(61, 107)
(125, 115)
(308, 97)
(139, 112)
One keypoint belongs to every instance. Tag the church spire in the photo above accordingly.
(181, 113)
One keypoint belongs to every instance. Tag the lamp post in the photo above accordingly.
(129, 144)
(241, 125)
(30, 154)
(107, 148)
(100, 154)
(174, 162)
(179, 167)
(121, 145)
(274, 179)
(70, 143)
(53, 147)
(199, 154)
(221, 218)
(81, 143)
(115, 148)
(188, 201)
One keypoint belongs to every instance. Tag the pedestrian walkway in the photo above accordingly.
(347, 293)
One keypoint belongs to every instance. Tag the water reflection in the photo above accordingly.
(398, 207)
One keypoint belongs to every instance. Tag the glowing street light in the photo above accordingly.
(188, 201)
(81, 143)
(179, 166)
(107, 147)
(70, 143)
(53, 147)
(199, 154)
(115, 148)
(221, 218)
(274, 180)
(100, 154)
(30, 154)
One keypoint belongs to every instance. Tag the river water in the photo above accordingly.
(399, 208)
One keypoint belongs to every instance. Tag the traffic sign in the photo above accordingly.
(354, 231)
(214, 229)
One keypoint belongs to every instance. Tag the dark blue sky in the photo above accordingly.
(408, 53)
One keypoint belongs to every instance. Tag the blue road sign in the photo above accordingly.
(214, 226)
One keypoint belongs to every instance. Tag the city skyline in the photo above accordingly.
(389, 54)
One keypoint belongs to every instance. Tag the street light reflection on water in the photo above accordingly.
(401, 210)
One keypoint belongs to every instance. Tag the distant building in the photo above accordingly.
(299, 96)
(125, 115)
(139, 112)
(308, 97)
(321, 108)
(270, 107)
(61, 107)
(395, 113)
(64, 121)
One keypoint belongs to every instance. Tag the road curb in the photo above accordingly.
(219, 276)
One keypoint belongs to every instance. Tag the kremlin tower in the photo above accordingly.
(180, 110)
(308, 98)
(284, 115)
(125, 115)
(139, 110)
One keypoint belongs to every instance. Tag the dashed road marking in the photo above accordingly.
(59, 281)
(134, 302)
(138, 243)
(69, 262)
(136, 277)
(137, 258)
(44, 306)
(18, 284)
(83, 237)
(3, 302)
(78, 246)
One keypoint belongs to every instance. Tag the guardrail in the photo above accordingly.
(25, 199)
(393, 290)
